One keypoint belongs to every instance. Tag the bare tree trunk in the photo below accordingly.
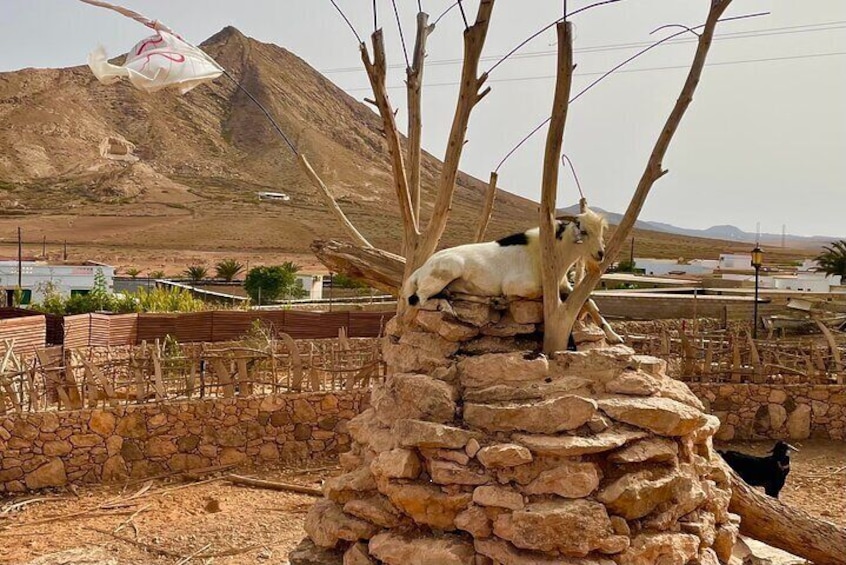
(487, 209)
(330, 201)
(551, 268)
(376, 73)
(414, 81)
(653, 171)
(766, 519)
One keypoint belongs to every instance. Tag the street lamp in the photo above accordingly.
(757, 261)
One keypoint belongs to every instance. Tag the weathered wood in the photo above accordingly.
(380, 269)
(414, 82)
(556, 333)
(487, 209)
(376, 73)
(273, 485)
(768, 520)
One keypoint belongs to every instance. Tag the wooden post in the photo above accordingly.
(414, 82)
(556, 334)
(653, 170)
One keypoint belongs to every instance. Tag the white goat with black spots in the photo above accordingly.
(511, 266)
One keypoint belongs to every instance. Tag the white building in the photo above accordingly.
(313, 284)
(735, 262)
(663, 267)
(38, 276)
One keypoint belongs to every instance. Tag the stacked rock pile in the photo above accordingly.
(477, 450)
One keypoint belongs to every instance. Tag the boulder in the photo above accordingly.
(570, 479)
(654, 450)
(635, 383)
(570, 446)
(366, 429)
(427, 504)
(573, 527)
(526, 311)
(357, 554)
(376, 509)
(308, 553)
(499, 497)
(413, 396)
(663, 548)
(348, 486)
(475, 521)
(506, 554)
(417, 433)
(102, 422)
(502, 368)
(799, 422)
(326, 524)
(635, 495)
(449, 473)
(545, 417)
(50, 474)
(662, 416)
(504, 455)
(396, 464)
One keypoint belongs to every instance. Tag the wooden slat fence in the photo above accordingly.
(28, 333)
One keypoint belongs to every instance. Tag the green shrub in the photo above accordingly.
(267, 284)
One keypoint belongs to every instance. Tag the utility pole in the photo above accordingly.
(20, 260)
(65, 251)
(44, 246)
(631, 255)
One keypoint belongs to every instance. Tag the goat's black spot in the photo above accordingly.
(561, 228)
(514, 239)
(413, 300)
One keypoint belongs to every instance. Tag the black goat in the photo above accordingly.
(769, 472)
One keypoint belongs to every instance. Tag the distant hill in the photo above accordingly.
(722, 232)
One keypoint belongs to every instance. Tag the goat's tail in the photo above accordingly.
(409, 291)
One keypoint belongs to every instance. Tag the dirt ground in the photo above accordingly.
(177, 519)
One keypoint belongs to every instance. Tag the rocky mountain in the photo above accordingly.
(161, 181)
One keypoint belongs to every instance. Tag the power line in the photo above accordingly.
(641, 70)
(789, 30)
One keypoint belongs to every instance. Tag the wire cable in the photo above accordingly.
(402, 37)
(352, 29)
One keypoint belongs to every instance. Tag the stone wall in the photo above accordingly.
(50, 449)
(479, 450)
(766, 411)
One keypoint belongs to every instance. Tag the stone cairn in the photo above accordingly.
(478, 450)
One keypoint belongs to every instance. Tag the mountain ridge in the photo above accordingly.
(191, 195)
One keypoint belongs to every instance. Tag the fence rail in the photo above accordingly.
(166, 370)
(734, 357)
(31, 330)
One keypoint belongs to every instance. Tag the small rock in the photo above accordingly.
(570, 479)
(326, 524)
(396, 464)
(417, 433)
(212, 506)
(570, 446)
(657, 450)
(504, 455)
(662, 416)
(499, 497)
(546, 416)
(397, 549)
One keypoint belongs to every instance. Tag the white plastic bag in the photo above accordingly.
(158, 62)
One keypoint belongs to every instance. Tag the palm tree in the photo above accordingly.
(156, 274)
(228, 269)
(196, 273)
(833, 260)
(133, 272)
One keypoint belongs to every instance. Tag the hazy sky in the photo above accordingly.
(764, 141)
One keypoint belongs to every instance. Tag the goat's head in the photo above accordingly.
(586, 230)
(781, 449)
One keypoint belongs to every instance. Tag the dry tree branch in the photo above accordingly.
(653, 171)
(331, 202)
(487, 209)
(551, 268)
(414, 81)
(376, 71)
(468, 97)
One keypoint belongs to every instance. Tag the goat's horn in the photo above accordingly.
(792, 448)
